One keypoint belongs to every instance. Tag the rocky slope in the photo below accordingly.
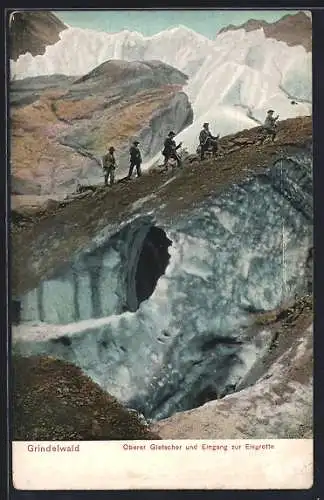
(33, 32)
(245, 336)
(293, 29)
(46, 238)
(60, 126)
(54, 400)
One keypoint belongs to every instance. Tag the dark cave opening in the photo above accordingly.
(152, 263)
(15, 311)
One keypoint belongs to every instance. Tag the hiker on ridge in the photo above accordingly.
(170, 150)
(135, 160)
(270, 125)
(207, 140)
(109, 166)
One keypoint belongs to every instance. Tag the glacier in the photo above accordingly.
(233, 79)
(172, 333)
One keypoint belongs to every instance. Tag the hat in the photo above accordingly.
(135, 143)
(171, 133)
(206, 124)
(111, 149)
(270, 111)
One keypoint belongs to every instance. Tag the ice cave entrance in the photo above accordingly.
(152, 263)
(113, 278)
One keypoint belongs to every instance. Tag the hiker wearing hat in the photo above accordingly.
(109, 166)
(170, 150)
(207, 140)
(135, 160)
(270, 125)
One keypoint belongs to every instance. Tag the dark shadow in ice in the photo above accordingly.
(152, 263)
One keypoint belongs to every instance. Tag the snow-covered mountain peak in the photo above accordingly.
(183, 31)
(129, 34)
(293, 29)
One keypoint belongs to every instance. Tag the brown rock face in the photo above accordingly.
(293, 29)
(32, 32)
(54, 400)
(61, 127)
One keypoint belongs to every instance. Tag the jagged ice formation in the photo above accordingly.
(170, 335)
(233, 79)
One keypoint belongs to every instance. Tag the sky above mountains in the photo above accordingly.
(150, 22)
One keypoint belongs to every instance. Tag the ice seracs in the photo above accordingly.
(232, 80)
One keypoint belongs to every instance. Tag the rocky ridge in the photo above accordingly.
(33, 32)
(60, 126)
(293, 29)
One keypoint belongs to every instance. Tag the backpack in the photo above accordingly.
(106, 161)
(168, 146)
(203, 137)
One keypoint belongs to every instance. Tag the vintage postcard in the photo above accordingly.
(162, 249)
